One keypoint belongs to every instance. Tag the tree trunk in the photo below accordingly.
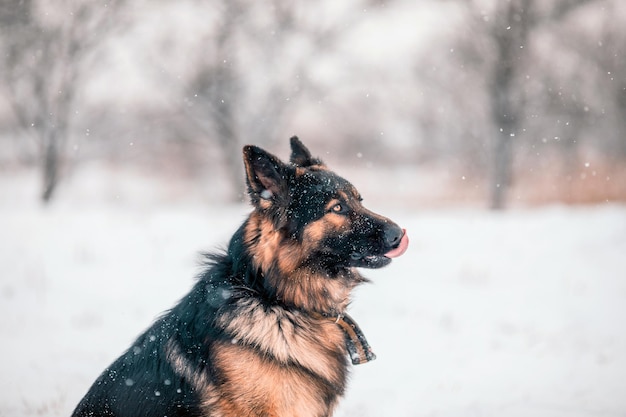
(50, 165)
(510, 35)
(230, 145)
(505, 120)
(224, 90)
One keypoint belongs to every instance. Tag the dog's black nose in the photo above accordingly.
(392, 235)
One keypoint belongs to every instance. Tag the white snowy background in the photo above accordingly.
(517, 313)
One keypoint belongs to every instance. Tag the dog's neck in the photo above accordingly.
(313, 291)
(280, 265)
(318, 294)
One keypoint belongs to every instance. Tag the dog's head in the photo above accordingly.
(311, 216)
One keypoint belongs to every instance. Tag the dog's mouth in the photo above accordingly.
(368, 261)
(378, 261)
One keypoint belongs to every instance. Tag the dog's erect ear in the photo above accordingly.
(300, 155)
(265, 174)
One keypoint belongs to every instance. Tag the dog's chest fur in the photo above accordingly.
(278, 363)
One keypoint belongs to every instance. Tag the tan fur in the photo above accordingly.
(257, 386)
(183, 368)
(261, 235)
(298, 362)
(313, 292)
(265, 204)
(288, 336)
(295, 282)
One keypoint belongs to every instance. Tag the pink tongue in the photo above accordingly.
(404, 244)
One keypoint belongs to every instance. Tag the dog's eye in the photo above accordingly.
(338, 208)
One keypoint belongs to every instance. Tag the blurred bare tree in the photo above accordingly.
(609, 54)
(498, 92)
(509, 31)
(252, 69)
(511, 28)
(45, 50)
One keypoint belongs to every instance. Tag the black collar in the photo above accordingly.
(359, 350)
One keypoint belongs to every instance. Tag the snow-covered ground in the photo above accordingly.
(521, 313)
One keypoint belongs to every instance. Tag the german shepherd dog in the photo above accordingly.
(264, 331)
